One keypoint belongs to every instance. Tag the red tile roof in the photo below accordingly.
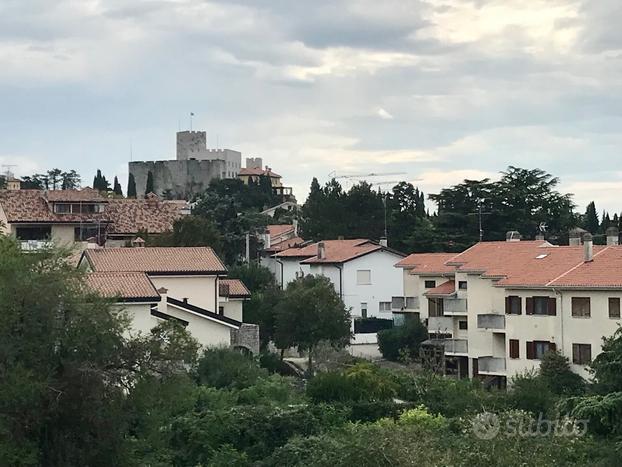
(233, 288)
(336, 251)
(604, 271)
(276, 230)
(258, 171)
(131, 216)
(123, 285)
(446, 288)
(165, 260)
(85, 195)
(428, 263)
(285, 244)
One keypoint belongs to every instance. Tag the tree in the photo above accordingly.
(31, 183)
(190, 231)
(55, 177)
(100, 183)
(607, 366)
(67, 363)
(117, 187)
(149, 187)
(311, 311)
(402, 341)
(70, 180)
(131, 186)
(556, 373)
(590, 219)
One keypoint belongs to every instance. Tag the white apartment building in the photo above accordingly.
(502, 305)
(361, 271)
(181, 284)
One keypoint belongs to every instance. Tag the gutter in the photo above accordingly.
(340, 280)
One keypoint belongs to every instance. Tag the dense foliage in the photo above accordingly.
(402, 342)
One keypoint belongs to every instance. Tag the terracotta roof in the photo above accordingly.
(32, 206)
(130, 216)
(258, 171)
(445, 289)
(85, 195)
(126, 286)
(164, 260)
(277, 230)
(604, 271)
(233, 288)
(428, 263)
(341, 251)
(285, 244)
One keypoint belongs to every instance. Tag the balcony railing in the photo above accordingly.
(491, 365)
(404, 303)
(454, 306)
(33, 245)
(441, 324)
(491, 321)
(452, 346)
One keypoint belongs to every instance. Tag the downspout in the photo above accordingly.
(216, 293)
(281, 263)
(340, 281)
(561, 315)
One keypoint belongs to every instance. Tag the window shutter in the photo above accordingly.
(529, 305)
(508, 310)
(552, 308)
(514, 348)
(531, 350)
(552, 346)
(520, 305)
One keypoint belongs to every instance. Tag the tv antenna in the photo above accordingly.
(6, 168)
(480, 214)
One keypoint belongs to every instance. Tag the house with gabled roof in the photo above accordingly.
(502, 305)
(187, 285)
(360, 270)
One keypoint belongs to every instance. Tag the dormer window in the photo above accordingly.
(78, 208)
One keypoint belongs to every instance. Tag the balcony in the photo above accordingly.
(491, 365)
(491, 321)
(404, 304)
(454, 306)
(452, 346)
(441, 324)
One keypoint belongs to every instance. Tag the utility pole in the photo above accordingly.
(248, 247)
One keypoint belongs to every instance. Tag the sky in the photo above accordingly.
(435, 90)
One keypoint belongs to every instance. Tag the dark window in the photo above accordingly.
(364, 310)
(34, 233)
(430, 284)
(541, 306)
(463, 325)
(513, 305)
(581, 354)
(581, 307)
(614, 307)
(435, 307)
(514, 348)
(462, 285)
(82, 234)
(537, 349)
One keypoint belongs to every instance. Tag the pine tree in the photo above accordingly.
(149, 188)
(131, 187)
(590, 219)
(117, 187)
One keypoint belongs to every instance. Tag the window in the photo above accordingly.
(541, 306)
(435, 307)
(384, 307)
(513, 305)
(614, 307)
(462, 285)
(537, 349)
(581, 354)
(580, 307)
(33, 233)
(364, 310)
(463, 325)
(363, 277)
(82, 234)
(514, 348)
(430, 284)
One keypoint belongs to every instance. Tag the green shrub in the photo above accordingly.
(530, 392)
(401, 341)
(556, 373)
(420, 416)
(221, 367)
(362, 382)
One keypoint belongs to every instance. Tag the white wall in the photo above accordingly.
(233, 308)
(208, 332)
(201, 291)
(291, 266)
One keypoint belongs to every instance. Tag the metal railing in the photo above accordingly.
(490, 321)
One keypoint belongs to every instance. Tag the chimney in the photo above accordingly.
(540, 237)
(321, 250)
(267, 241)
(384, 242)
(295, 224)
(513, 236)
(574, 237)
(588, 248)
(13, 184)
(613, 236)
(138, 243)
(163, 291)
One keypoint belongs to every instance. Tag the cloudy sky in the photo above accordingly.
(439, 89)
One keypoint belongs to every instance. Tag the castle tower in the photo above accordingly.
(191, 145)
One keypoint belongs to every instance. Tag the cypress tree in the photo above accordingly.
(117, 187)
(131, 187)
(590, 219)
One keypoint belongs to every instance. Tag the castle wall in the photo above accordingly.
(183, 178)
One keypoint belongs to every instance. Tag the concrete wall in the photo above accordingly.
(201, 291)
(184, 178)
(63, 235)
(233, 308)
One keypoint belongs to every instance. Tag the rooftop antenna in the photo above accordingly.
(191, 115)
(480, 214)
(131, 151)
(8, 171)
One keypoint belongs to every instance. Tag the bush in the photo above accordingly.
(402, 341)
(273, 363)
(420, 416)
(556, 373)
(530, 392)
(221, 367)
(362, 382)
